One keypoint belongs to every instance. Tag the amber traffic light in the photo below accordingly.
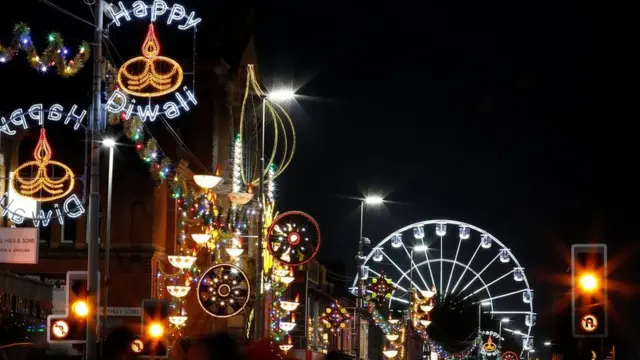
(589, 290)
(155, 322)
(71, 328)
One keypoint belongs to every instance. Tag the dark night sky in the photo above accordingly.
(516, 117)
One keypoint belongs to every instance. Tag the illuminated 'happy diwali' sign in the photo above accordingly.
(42, 179)
(151, 75)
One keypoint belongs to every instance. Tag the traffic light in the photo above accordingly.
(71, 328)
(589, 290)
(155, 325)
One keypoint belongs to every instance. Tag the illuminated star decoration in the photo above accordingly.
(42, 186)
(380, 289)
(143, 75)
(293, 238)
(335, 317)
(223, 290)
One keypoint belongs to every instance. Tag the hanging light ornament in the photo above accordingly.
(289, 278)
(178, 321)
(293, 238)
(290, 305)
(391, 353)
(181, 261)
(178, 291)
(288, 346)
(201, 238)
(392, 337)
(288, 325)
(209, 181)
(426, 308)
(380, 289)
(235, 249)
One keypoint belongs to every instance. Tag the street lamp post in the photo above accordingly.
(362, 242)
(275, 96)
(109, 143)
(486, 303)
(419, 248)
(502, 321)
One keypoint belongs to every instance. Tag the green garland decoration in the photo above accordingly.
(54, 55)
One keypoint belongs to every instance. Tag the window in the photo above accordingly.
(68, 231)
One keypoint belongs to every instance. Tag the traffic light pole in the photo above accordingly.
(94, 191)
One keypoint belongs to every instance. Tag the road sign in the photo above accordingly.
(137, 346)
(589, 323)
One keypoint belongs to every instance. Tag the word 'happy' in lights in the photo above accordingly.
(42, 179)
(489, 347)
(157, 9)
(151, 75)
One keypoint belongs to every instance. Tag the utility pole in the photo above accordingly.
(94, 190)
(259, 308)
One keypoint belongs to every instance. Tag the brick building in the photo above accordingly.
(143, 229)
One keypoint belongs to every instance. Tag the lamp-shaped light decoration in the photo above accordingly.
(178, 291)
(426, 308)
(391, 353)
(200, 238)
(289, 278)
(425, 323)
(286, 347)
(178, 321)
(182, 261)
(427, 294)
(209, 181)
(392, 337)
(290, 305)
(235, 249)
(241, 198)
(281, 272)
(288, 325)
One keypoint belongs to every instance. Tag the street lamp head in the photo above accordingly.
(365, 241)
(373, 200)
(109, 143)
(547, 343)
(485, 303)
(420, 248)
(281, 95)
(505, 320)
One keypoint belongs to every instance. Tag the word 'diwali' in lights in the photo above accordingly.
(150, 75)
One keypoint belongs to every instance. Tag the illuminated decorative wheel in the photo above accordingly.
(293, 238)
(223, 290)
(509, 355)
(465, 265)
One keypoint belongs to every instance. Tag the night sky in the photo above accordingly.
(516, 117)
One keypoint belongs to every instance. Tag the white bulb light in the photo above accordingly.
(178, 320)
(234, 252)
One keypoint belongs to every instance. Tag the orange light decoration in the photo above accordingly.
(149, 82)
(53, 189)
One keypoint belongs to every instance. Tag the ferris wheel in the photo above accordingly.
(461, 261)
